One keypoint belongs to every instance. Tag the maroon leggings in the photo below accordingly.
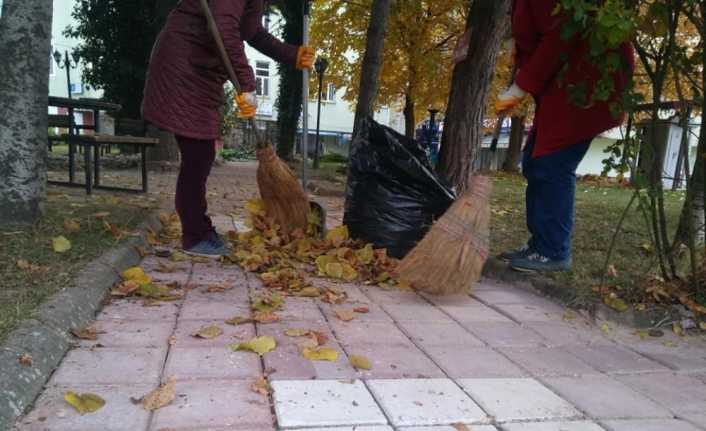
(196, 160)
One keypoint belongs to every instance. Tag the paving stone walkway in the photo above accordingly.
(501, 359)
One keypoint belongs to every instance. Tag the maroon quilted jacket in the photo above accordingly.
(184, 88)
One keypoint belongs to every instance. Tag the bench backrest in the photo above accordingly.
(63, 121)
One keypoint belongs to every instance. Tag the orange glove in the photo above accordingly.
(247, 104)
(509, 99)
(305, 57)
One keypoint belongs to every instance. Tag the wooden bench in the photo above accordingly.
(92, 144)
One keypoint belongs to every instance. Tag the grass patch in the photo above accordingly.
(22, 290)
(598, 210)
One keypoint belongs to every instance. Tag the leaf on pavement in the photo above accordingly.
(137, 275)
(259, 345)
(84, 403)
(359, 362)
(321, 354)
(26, 360)
(344, 314)
(261, 386)
(160, 397)
(87, 333)
(208, 332)
(239, 320)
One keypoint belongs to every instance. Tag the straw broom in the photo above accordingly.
(450, 258)
(284, 198)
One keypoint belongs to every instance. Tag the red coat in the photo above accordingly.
(184, 88)
(541, 54)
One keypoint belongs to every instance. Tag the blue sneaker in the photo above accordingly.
(208, 248)
(520, 253)
(535, 262)
(217, 239)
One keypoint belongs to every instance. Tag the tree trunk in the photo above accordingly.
(167, 150)
(372, 61)
(409, 121)
(514, 149)
(289, 100)
(25, 45)
(472, 78)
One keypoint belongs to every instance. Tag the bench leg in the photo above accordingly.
(143, 156)
(72, 164)
(87, 167)
(96, 166)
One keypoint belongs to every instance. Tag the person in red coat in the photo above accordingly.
(548, 66)
(184, 95)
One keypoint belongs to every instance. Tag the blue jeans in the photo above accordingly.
(550, 197)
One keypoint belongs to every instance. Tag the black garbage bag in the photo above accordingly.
(393, 195)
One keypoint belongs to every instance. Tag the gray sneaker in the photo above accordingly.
(217, 239)
(208, 248)
(535, 262)
(509, 256)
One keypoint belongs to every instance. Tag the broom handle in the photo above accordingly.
(216, 34)
(305, 97)
(501, 118)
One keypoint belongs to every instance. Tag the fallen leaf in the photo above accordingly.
(337, 235)
(569, 315)
(219, 288)
(160, 397)
(361, 310)
(239, 320)
(297, 332)
(84, 403)
(137, 275)
(266, 317)
(259, 345)
(677, 329)
(309, 292)
(702, 325)
(172, 340)
(208, 332)
(269, 302)
(344, 314)
(72, 225)
(126, 288)
(461, 427)
(321, 354)
(615, 303)
(26, 360)
(142, 251)
(101, 215)
(605, 328)
(61, 244)
(321, 338)
(261, 386)
(87, 333)
(359, 362)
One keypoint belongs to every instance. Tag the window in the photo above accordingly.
(262, 78)
(328, 93)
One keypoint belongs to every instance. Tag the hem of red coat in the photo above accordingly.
(180, 132)
(543, 148)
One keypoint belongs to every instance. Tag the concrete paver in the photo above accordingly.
(518, 400)
(554, 426)
(425, 402)
(650, 425)
(548, 361)
(680, 393)
(473, 362)
(137, 365)
(317, 403)
(219, 362)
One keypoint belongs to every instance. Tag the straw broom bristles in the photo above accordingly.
(450, 258)
(283, 196)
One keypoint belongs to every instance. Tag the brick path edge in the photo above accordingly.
(46, 336)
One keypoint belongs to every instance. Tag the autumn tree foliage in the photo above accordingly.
(419, 42)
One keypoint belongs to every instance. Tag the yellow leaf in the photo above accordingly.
(256, 207)
(349, 273)
(345, 315)
(261, 386)
(321, 263)
(321, 354)
(266, 317)
(338, 235)
(677, 329)
(334, 270)
(702, 325)
(137, 275)
(72, 225)
(84, 403)
(359, 362)
(61, 244)
(209, 332)
(259, 345)
(237, 320)
(616, 303)
(605, 328)
(126, 288)
(268, 303)
(365, 255)
(160, 397)
(297, 332)
(309, 292)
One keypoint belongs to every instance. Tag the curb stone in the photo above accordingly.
(649, 318)
(46, 336)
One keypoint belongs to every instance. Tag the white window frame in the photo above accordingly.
(263, 78)
(328, 93)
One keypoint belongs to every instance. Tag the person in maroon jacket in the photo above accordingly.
(184, 95)
(562, 132)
